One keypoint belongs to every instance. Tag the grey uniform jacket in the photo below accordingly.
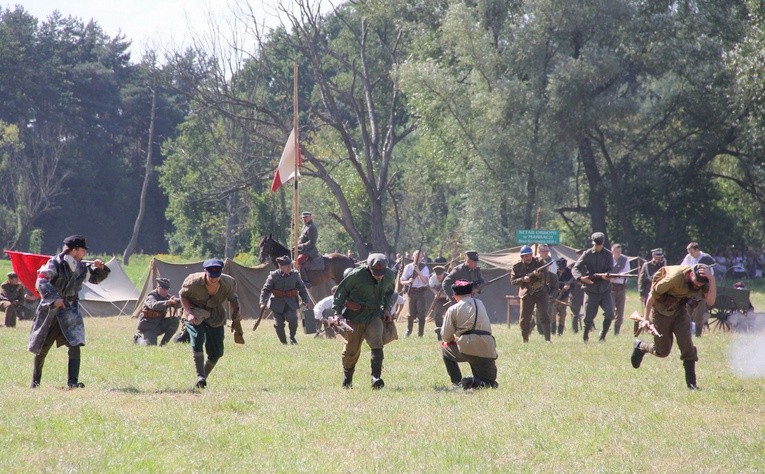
(56, 280)
(590, 263)
(309, 235)
(276, 283)
(462, 272)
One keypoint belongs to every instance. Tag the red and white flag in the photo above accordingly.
(286, 169)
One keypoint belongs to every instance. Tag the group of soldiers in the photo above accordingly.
(363, 305)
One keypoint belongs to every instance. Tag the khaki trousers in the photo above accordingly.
(371, 332)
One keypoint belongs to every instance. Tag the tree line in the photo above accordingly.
(443, 125)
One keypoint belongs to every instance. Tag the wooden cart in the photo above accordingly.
(731, 309)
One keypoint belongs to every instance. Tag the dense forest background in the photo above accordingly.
(440, 124)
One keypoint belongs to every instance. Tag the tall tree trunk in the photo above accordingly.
(230, 223)
(597, 201)
(145, 188)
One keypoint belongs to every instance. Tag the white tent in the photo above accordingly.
(116, 295)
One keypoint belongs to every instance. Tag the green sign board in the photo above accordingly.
(537, 236)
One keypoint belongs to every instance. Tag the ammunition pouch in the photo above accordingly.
(352, 305)
(151, 314)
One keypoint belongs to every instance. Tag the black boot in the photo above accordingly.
(348, 378)
(209, 366)
(604, 331)
(37, 371)
(637, 354)
(199, 366)
(376, 363)
(453, 369)
(73, 374)
(281, 334)
(421, 327)
(586, 332)
(690, 374)
(617, 328)
(293, 331)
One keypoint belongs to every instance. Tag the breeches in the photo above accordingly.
(619, 294)
(593, 301)
(417, 306)
(676, 326)
(207, 337)
(482, 367)
(150, 329)
(371, 332)
(55, 334)
(528, 303)
(289, 315)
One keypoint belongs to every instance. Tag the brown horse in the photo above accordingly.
(334, 263)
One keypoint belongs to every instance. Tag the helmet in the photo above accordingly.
(526, 250)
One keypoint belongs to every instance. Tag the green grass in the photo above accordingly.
(565, 406)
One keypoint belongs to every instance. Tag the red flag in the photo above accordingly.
(26, 265)
(286, 169)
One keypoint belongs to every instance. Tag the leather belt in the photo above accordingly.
(151, 314)
(419, 289)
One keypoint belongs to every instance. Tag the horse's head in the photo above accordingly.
(265, 248)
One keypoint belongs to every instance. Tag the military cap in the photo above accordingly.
(306, 214)
(163, 283)
(697, 274)
(12, 275)
(658, 252)
(284, 260)
(213, 267)
(462, 287)
(75, 242)
(377, 263)
(561, 262)
(544, 248)
(472, 255)
(439, 270)
(598, 238)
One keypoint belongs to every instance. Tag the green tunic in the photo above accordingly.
(194, 290)
(362, 288)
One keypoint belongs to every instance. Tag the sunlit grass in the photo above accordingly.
(565, 406)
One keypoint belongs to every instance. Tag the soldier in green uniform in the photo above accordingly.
(204, 296)
(363, 299)
(468, 271)
(12, 294)
(280, 293)
(666, 309)
(308, 254)
(155, 320)
(530, 281)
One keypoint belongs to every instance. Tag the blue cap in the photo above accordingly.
(213, 267)
(526, 250)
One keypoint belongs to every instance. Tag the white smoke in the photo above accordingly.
(747, 351)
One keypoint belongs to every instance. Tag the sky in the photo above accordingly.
(147, 23)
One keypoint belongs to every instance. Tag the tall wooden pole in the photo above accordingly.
(296, 194)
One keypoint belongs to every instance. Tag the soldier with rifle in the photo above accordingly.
(415, 278)
(667, 315)
(560, 302)
(529, 276)
(592, 270)
(467, 271)
(438, 306)
(158, 316)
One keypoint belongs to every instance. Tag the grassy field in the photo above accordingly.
(564, 406)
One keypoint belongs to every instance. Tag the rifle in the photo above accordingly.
(260, 316)
(604, 276)
(493, 280)
(644, 324)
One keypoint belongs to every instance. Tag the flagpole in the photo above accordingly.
(296, 194)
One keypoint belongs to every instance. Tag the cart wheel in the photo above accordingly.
(719, 315)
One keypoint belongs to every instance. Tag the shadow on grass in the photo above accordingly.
(136, 391)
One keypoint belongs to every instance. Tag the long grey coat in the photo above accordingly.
(278, 281)
(56, 280)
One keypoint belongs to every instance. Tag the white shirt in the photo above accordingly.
(324, 303)
(416, 282)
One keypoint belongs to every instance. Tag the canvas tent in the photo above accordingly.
(116, 295)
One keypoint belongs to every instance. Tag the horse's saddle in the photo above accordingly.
(313, 264)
